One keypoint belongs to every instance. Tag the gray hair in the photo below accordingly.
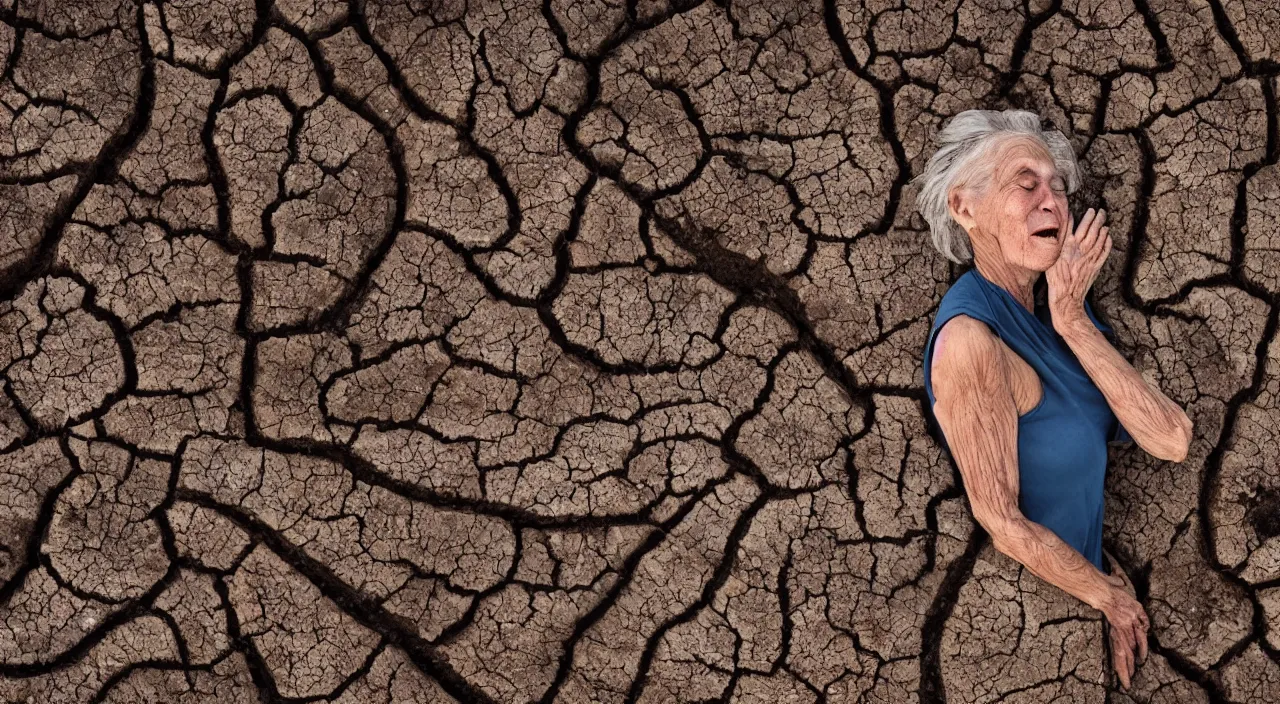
(965, 143)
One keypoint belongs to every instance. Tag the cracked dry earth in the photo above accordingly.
(571, 351)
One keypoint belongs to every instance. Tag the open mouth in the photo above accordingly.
(1050, 232)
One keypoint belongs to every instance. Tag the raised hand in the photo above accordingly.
(1084, 249)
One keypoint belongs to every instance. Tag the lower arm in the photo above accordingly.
(1049, 558)
(1154, 420)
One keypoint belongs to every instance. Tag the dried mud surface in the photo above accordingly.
(570, 351)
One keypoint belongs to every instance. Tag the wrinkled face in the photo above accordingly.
(1023, 213)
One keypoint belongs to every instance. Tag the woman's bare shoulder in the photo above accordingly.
(963, 336)
(967, 356)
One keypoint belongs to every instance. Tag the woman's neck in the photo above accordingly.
(1018, 281)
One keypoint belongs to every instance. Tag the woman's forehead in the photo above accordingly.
(1019, 156)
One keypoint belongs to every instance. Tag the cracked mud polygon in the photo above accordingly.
(571, 351)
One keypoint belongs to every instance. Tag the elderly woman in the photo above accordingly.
(1028, 396)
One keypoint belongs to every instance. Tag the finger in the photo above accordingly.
(1133, 665)
(1122, 664)
(1101, 247)
(1128, 665)
(1142, 645)
(1120, 637)
(1100, 228)
(1078, 228)
(1091, 234)
(1086, 224)
(1085, 219)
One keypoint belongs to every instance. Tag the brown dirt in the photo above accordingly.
(571, 351)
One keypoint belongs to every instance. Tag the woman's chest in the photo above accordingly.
(1069, 386)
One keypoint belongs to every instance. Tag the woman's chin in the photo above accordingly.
(1041, 260)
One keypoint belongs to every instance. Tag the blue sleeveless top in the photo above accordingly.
(1062, 441)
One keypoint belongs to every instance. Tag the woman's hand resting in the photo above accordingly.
(1127, 623)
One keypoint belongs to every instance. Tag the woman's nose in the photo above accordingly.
(1047, 199)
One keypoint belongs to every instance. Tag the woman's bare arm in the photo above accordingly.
(974, 405)
(975, 408)
(1155, 422)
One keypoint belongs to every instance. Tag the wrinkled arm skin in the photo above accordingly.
(1153, 420)
(975, 408)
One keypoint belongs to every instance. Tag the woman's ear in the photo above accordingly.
(960, 204)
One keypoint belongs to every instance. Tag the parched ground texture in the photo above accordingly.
(512, 351)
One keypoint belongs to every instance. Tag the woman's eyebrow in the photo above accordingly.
(1020, 174)
(1028, 171)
